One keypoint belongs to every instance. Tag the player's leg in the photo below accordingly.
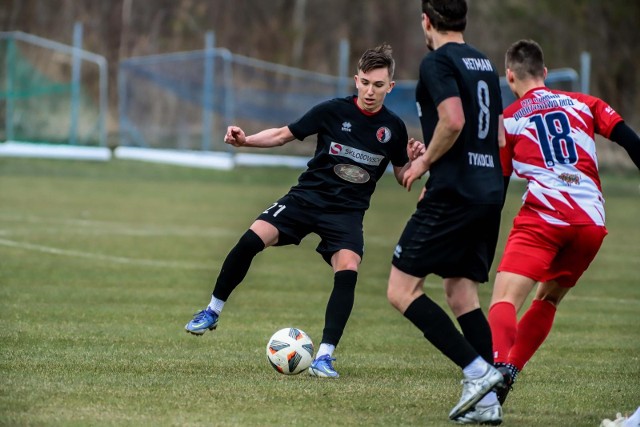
(510, 291)
(342, 247)
(536, 323)
(532, 330)
(405, 294)
(345, 266)
(261, 234)
(476, 241)
(462, 297)
(579, 247)
(531, 247)
(434, 241)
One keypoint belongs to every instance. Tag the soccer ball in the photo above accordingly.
(290, 351)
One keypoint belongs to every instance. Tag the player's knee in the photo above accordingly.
(396, 296)
(551, 292)
(345, 259)
(392, 298)
(250, 242)
(554, 300)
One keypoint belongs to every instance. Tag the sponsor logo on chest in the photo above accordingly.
(359, 156)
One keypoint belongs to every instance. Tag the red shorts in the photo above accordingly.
(545, 252)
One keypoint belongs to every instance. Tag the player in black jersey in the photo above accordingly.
(454, 231)
(357, 137)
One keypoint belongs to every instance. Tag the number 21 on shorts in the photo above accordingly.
(276, 212)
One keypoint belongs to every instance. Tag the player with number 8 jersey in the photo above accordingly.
(470, 171)
(454, 231)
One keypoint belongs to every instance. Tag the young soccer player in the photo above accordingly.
(357, 137)
(550, 142)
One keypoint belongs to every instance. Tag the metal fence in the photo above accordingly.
(51, 92)
(56, 93)
(186, 100)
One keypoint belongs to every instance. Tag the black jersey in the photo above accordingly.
(353, 151)
(470, 171)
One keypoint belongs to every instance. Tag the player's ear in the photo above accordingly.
(391, 85)
(545, 73)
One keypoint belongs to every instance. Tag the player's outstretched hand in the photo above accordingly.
(415, 149)
(235, 136)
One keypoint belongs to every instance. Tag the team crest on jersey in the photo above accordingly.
(351, 173)
(570, 178)
(383, 134)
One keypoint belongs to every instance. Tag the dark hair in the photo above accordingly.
(525, 59)
(446, 15)
(378, 57)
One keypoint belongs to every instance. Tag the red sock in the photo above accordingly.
(503, 320)
(533, 329)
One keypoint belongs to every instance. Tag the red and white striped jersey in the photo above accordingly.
(550, 143)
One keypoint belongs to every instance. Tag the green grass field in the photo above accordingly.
(102, 264)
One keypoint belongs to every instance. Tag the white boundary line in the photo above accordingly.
(97, 227)
(195, 266)
(50, 151)
(108, 258)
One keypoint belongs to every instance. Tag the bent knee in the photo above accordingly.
(554, 300)
(393, 297)
(401, 297)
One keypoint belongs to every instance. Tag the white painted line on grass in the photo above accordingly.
(107, 258)
(115, 228)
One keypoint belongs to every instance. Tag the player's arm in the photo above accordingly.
(506, 160)
(449, 126)
(273, 137)
(624, 136)
(502, 140)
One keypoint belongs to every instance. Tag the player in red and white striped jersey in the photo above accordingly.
(550, 142)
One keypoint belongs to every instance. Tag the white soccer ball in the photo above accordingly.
(290, 351)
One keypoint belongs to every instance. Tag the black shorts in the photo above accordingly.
(449, 240)
(294, 218)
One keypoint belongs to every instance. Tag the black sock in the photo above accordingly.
(513, 371)
(237, 263)
(438, 328)
(476, 330)
(339, 306)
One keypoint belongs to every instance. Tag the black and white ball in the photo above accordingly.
(290, 351)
